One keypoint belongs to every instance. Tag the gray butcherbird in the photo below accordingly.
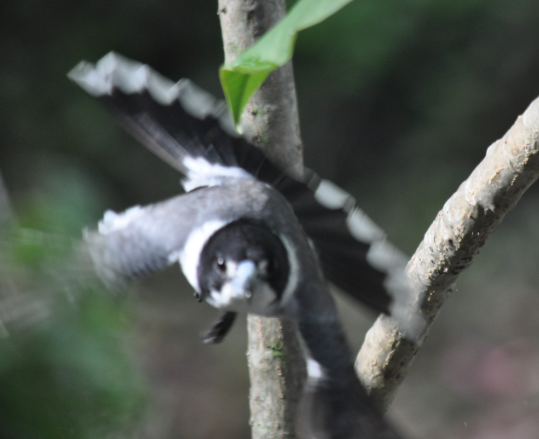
(249, 238)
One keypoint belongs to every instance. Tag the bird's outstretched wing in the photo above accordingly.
(192, 131)
(143, 240)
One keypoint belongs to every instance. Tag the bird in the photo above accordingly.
(249, 238)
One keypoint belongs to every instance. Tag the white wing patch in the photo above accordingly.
(384, 256)
(330, 195)
(203, 173)
(114, 70)
(314, 369)
(190, 254)
(113, 221)
(363, 228)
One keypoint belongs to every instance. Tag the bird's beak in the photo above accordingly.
(246, 274)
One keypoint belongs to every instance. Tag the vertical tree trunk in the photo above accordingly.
(270, 121)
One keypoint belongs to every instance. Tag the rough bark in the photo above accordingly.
(271, 117)
(457, 234)
(270, 121)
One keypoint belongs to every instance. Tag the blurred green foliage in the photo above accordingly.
(69, 375)
(67, 368)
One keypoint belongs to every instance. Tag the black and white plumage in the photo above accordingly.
(248, 237)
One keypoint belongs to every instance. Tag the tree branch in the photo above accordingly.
(457, 234)
(270, 121)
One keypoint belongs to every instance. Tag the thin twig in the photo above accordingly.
(457, 234)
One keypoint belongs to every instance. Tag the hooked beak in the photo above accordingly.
(246, 274)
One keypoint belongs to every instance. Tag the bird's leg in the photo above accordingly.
(220, 328)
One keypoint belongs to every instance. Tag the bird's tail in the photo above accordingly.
(335, 404)
(340, 410)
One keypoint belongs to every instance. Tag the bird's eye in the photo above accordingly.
(220, 264)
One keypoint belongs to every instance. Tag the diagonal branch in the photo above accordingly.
(270, 121)
(457, 234)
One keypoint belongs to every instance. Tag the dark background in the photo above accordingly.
(398, 102)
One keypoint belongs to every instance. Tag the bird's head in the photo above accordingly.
(243, 267)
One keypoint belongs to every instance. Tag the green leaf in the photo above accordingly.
(239, 87)
(243, 76)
